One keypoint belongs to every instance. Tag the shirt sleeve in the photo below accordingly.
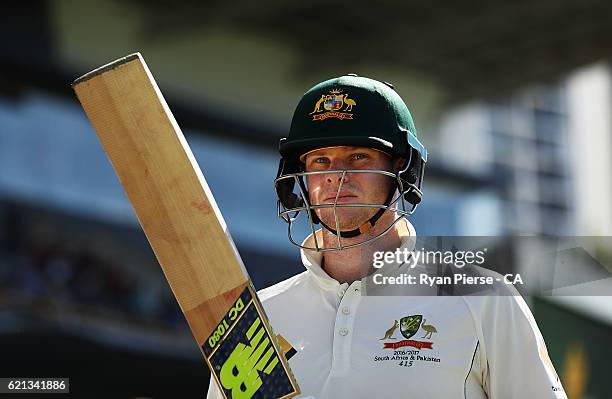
(515, 359)
(213, 390)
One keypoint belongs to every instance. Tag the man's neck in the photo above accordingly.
(353, 264)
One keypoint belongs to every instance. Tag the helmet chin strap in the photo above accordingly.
(365, 227)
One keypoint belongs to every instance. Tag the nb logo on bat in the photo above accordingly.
(243, 356)
(240, 372)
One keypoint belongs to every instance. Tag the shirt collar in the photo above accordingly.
(312, 259)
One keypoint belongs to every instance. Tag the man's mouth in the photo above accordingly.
(341, 198)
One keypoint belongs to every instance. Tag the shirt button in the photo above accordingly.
(346, 310)
(343, 331)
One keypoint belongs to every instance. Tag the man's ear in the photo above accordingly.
(399, 164)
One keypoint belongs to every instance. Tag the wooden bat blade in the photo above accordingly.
(183, 224)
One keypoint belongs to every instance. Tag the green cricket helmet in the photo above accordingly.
(349, 111)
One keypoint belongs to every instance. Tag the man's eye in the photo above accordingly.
(321, 160)
(360, 156)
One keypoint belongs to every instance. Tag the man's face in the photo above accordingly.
(358, 188)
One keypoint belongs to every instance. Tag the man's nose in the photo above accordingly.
(338, 177)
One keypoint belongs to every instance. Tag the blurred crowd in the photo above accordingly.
(40, 269)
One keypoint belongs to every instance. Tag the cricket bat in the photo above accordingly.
(185, 228)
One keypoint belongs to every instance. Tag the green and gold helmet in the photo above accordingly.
(350, 111)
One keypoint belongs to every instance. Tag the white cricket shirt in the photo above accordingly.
(350, 345)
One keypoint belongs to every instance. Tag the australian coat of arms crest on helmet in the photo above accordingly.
(335, 104)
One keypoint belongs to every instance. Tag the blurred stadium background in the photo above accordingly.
(512, 99)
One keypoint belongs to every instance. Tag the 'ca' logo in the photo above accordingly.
(409, 325)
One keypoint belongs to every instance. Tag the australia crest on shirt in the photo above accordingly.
(408, 349)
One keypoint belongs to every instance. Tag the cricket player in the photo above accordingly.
(352, 168)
